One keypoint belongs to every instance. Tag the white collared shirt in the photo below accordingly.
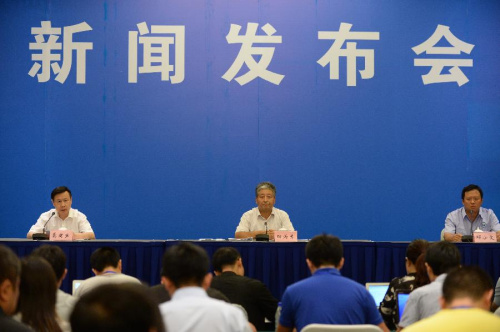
(190, 309)
(76, 222)
(253, 221)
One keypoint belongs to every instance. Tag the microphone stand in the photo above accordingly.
(43, 235)
(262, 237)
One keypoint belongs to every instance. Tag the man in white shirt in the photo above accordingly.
(107, 267)
(63, 217)
(265, 217)
(185, 275)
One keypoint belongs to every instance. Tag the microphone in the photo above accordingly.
(262, 237)
(43, 235)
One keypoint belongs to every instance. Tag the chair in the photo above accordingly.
(442, 235)
(341, 328)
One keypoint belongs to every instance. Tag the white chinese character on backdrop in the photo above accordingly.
(247, 51)
(350, 52)
(156, 52)
(437, 65)
(50, 60)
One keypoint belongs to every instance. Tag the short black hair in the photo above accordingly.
(185, 263)
(116, 308)
(105, 256)
(224, 256)
(468, 281)
(10, 265)
(442, 257)
(60, 190)
(471, 187)
(324, 249)
(54, 255)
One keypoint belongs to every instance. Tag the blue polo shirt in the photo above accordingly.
(327, 298)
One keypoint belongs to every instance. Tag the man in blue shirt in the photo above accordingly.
(470, 217)
(326, 297)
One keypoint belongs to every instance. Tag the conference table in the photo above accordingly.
(277, 264)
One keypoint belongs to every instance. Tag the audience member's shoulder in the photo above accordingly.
(159, 293)
(312, 282)
(11, 325)
(64, 299)
(347, 282)
(216, 294)
(252, 281)
(420, 291)
(120, 278)
(133, 279)
(406, 279)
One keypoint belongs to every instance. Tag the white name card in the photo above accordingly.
(484, 237)
(285, 236)
(62, 235)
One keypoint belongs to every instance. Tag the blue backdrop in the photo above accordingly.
(384, 159)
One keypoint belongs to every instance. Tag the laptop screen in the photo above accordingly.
(377, 290)
(76, 284)
(401, 298)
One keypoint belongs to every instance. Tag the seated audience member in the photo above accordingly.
(186, 277)
(264, 216)
(388, 307)
(107, 267)
(159, 294)
(496, 300)
(326, 297)
(116, 308)
(63, 216)
(37, 296)
(57, 259)
(470, 217)
(10, 274)
(251, 294)
(465, 304)
(440, 258)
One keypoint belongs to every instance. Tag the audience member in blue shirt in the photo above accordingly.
(326, 297)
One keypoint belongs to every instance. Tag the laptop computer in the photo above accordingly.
(401, 298)
(377, 290)
(76, 284)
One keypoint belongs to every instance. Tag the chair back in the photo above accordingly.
(341, 328)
